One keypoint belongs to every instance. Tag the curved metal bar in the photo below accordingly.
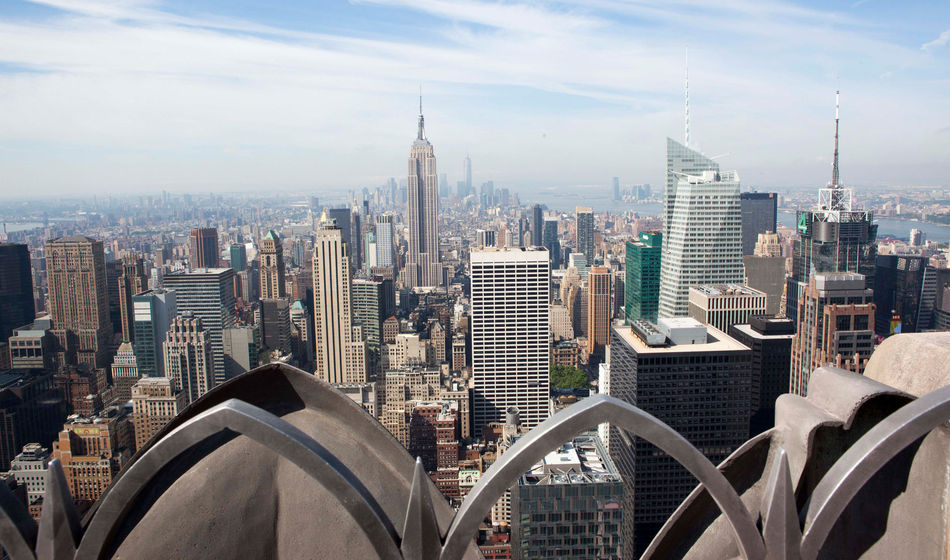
(554, 431)
(866, 457)
(264, 428)
(17, 528)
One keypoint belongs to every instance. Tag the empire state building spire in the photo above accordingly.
(422, 120)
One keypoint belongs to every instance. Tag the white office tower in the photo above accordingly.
(702, 232)
(340, 348)
(384, 241)
(510, 333)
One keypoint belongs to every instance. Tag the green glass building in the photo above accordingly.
(642, 288)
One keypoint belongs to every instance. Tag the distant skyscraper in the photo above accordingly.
(616, 184)
(917, 237)
(368, 311)
(670, 370)
(340, 354)
(550, 241)
(485, 238)
(203, 248)
(468, 176)
(537, 225)
(642, 285)
(585, 233)
(78, 298)
(209, 295)
(599, 310)
(272, 267)
(702, 233)
(188, 357)
(510, 352)
(124, 372)
(16, 289)
(759, 212)
(834, 236)
(152, 313)
(132, 281)
(835, 325)
(238, 257)
(384, 240)
(423, 264)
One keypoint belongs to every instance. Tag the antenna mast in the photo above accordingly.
(834, 169)
(687, 97)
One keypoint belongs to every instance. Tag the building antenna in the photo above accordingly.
(834, 169)
(687, 97)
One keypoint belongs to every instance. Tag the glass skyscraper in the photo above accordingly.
(702, 233)
(642, 285)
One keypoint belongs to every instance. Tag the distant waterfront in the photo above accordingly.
(887, 227)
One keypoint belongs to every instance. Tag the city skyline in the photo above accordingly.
(273, 68)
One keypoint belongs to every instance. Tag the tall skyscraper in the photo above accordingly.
(702, 233)
(468, 174)
(834, 236)
(835, 325)
(152, 313)
(203, 248)
(188, 356)
(759, 212)
(550, 241)
(16, 289)
(340, 349)
(384, 241)
(599, 310)
(272, 267)
(132, 281)
(275, 325)
(669, 370)
(155, 402)
(616, 185)
(510, 334)
(585, 233)
(537, 225)
(642, 285)
(423, 264)
(78, 299)
(238, 257)
(209, 295)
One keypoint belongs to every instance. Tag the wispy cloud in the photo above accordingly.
(940, 41)
(137, 94)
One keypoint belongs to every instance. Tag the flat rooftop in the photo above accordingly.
(749, 331)
(717, 341)
(727, 290)
(583, 460)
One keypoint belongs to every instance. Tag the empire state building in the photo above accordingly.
(422, 266)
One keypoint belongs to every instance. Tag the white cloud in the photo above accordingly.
(940, 41)
(130, 95)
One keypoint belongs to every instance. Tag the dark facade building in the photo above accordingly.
(759, 212)
(537, 226)
(132, 281)
(31, 410)
(585, 233)
(434, 437)
(642, 285)
(551, 241)
(238, 257)
(905, 290)
(16, 289)
(698, 381)
(770, 340)
(570, 505)
(203, 248)
(152, 313)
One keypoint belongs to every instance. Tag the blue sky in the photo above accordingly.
(141, 95)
